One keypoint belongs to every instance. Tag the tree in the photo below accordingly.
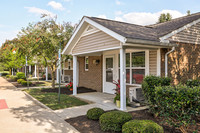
(44, 39)
(188, 12)
(164, 17)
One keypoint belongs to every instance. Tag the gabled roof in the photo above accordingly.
(150, 32)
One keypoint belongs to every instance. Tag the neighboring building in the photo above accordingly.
(106, 50)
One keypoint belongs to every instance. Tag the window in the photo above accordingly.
(109, 69)
(86, 63)
(135, 67)
(69, 64)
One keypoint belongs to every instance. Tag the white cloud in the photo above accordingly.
(118, 13)
(146, 18)
(67, 0)
(56, 5)
(7, 36)
(39, 11)
(118, 2)
(102, 16)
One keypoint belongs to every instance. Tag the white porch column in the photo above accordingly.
(35, 71)
(122, 79)
(29, 69)
(12, 71)
(25, 70)
(75, 75)
(46, 73)
(57, 75)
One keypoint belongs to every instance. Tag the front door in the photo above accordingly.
(109, 74)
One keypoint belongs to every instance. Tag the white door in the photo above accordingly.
(109, 74)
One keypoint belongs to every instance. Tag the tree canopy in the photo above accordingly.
(164, 17)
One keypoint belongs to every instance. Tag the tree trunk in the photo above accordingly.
(53, 76)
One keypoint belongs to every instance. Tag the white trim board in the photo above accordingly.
(163, 39)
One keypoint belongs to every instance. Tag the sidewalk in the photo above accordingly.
(23, 116)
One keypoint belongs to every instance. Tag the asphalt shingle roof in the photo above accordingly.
(150, 32)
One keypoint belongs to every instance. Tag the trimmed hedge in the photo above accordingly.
(21, 75)
(148, 86)
(4, 74)
(178, 104)
(113, 121)
(8, 76)
(20, 80)
(26, 82)
(142, 126)
(13, 78)
(193, 83)
(94, 113)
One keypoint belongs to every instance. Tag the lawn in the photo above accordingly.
(51, 99)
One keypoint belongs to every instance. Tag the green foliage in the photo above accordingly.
(20, 80)
(148, 87)
(142, 126)
(117, 97)
(178, 104)
(193, 83)
(4, 74)
(8, 76)
(164, 17)
(21, 75)
(94, 113)
(25, 83)
(113, 121)
(13, 78)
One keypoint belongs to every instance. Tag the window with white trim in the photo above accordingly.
(86, 63)
(135, 67)
(69, 64)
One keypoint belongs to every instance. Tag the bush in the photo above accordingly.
(13, 78)
(21, 75)
(148, 88)
(4, 74)
(26, 82)
(94, 113)
(193, 83)
(8, 76)
(20, 80)
(142, 126)
(113, 121)
(178, 104)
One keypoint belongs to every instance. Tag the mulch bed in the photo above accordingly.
(84, 125)
(65, 90)
(16, 84)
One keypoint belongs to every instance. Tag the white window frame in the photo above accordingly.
(146, 67)
(86, 69)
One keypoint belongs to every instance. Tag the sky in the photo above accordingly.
(15, 14)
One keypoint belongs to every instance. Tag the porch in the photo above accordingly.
(96, 99)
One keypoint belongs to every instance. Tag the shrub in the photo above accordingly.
(21, 75)
(26, 82)
(8, 76)
(4, 74)
(192, 83)
(20, 80)
(178, 104)
(142, 126)
(94, 113)
(148, 88)
(113, 121)
(13, 78)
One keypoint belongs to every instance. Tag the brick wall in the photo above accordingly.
(183, 63)
(93, 77)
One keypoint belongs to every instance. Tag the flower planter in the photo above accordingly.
(118, 103)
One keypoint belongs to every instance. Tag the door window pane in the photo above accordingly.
(109, 69)
(138, 59)
(138, 76)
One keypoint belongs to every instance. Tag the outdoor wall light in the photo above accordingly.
(96, 62)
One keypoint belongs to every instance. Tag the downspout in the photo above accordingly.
(166, 61)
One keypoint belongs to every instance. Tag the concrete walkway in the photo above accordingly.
(101, 100)
(24, 116)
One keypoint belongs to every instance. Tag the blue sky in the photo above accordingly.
(15, 14)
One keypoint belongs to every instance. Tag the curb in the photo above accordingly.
(37, 102)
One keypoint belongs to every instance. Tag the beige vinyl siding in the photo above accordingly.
(96, 41)
(153, 63)
(190, 35)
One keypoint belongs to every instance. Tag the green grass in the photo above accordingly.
(51, 99)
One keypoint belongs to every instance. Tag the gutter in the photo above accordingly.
(166, 61)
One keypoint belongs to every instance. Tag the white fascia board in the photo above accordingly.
(163, 39)
(106, 30)
(74, 34)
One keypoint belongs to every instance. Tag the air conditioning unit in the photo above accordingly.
(135, 94)
(67, 78)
